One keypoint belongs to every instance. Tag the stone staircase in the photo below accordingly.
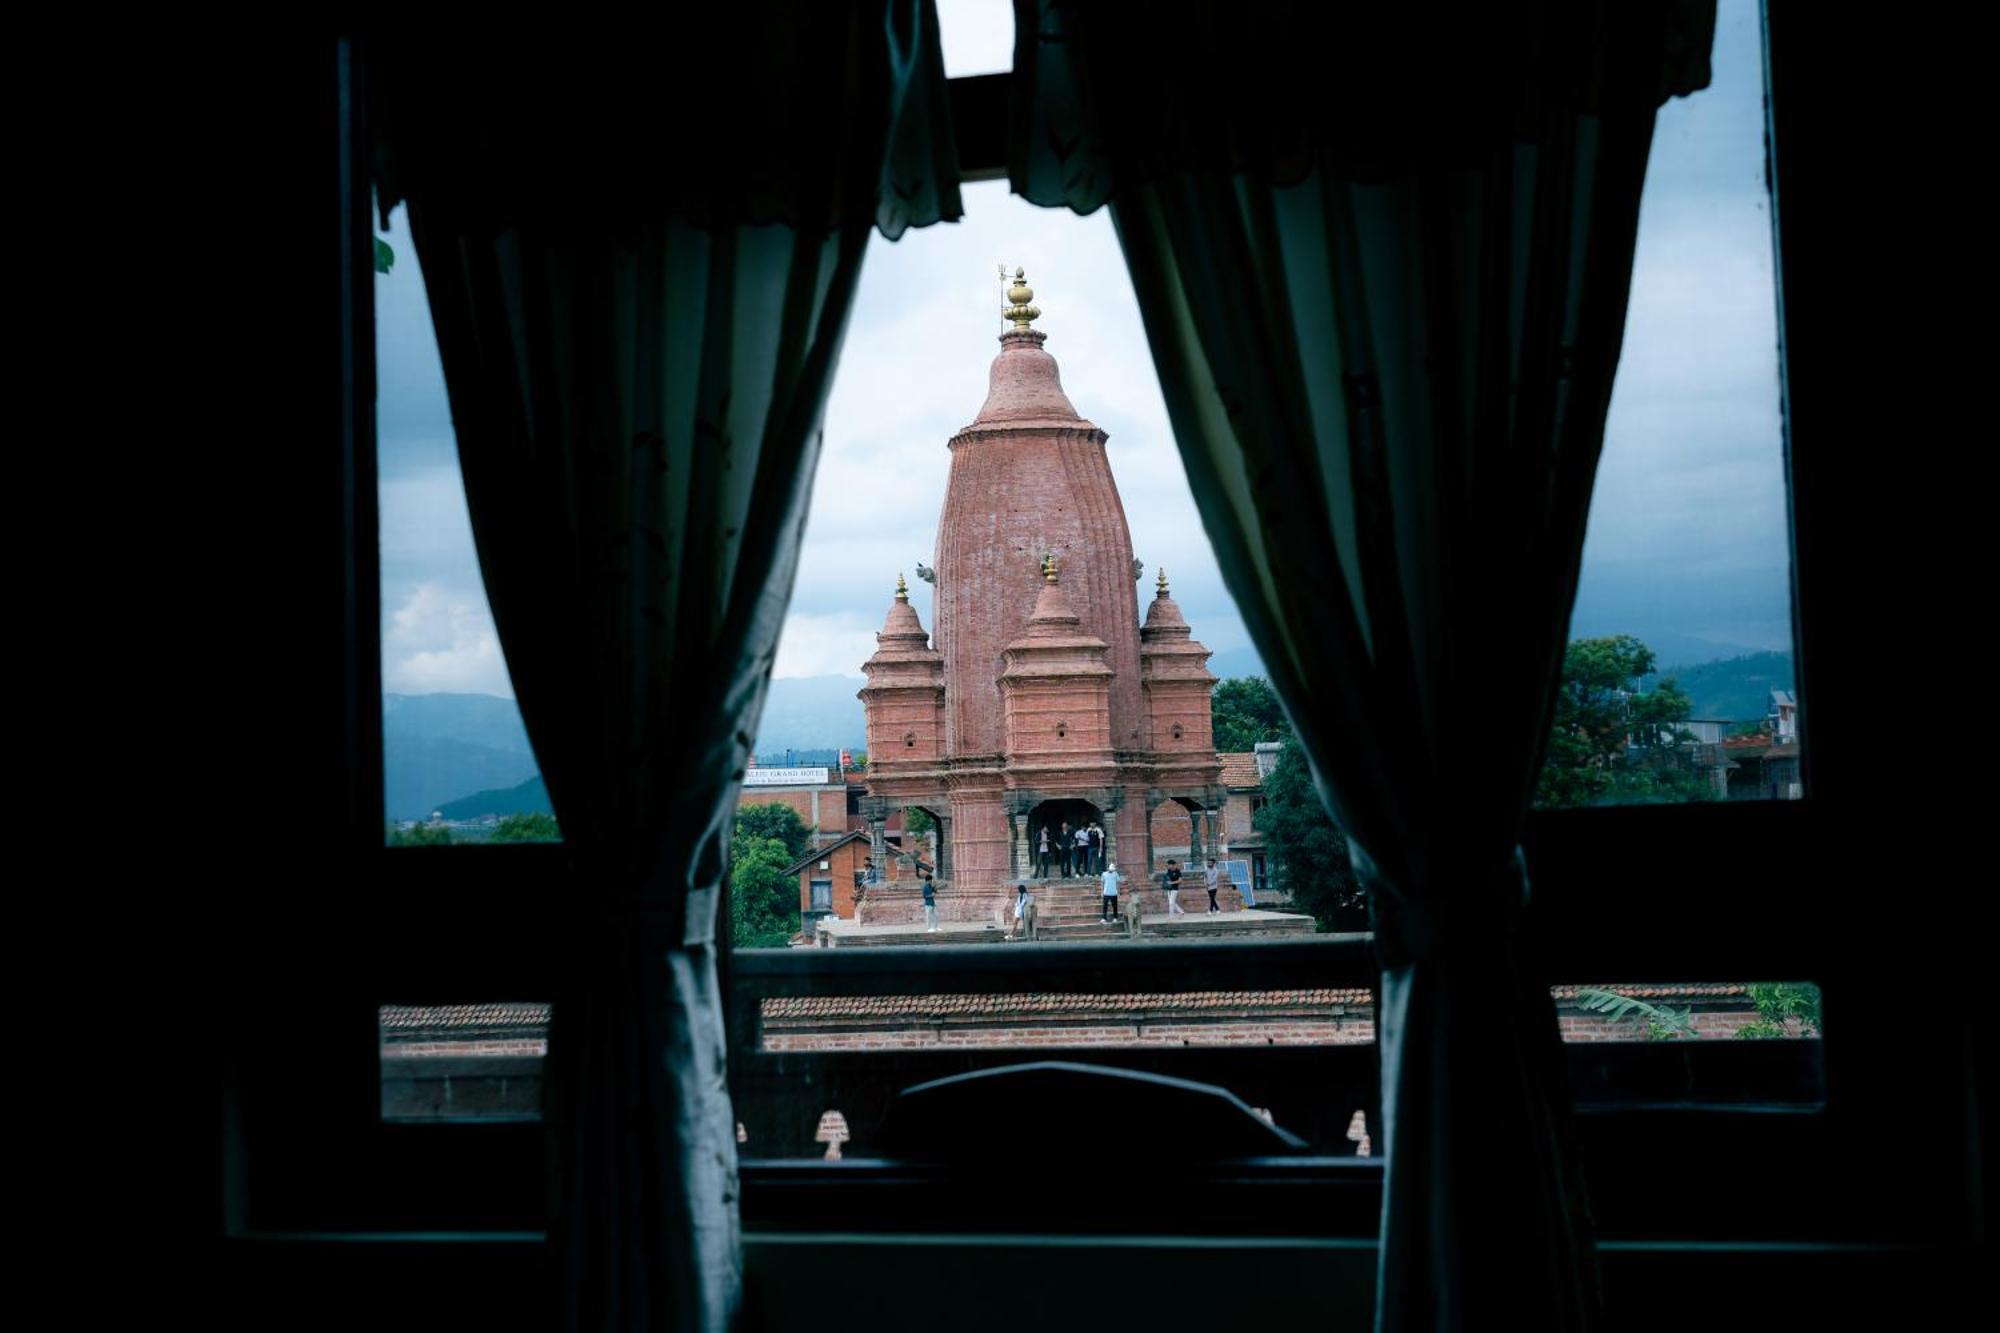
(1069, 909)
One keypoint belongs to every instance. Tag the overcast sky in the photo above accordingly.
(1687, 532)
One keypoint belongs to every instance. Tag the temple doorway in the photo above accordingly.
(1052, 815)
(1184, 830)
(924, 843)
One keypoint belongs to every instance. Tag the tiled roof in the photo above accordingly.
(1000, 1006)
(1239, 769)
(402, 1018)
(821, 853)
(407, 1021)
(1693, 990)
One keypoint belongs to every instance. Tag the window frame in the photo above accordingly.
(470, 920)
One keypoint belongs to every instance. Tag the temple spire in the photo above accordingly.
(902, 589)
(1018, 296)
(1051, 568)
(1160, 584)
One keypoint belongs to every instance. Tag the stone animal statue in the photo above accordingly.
(926, 573)
(1138, 568)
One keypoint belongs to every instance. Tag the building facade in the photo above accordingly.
(1044, 701)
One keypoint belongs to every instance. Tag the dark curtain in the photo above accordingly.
(641, 249)
(1383, 269)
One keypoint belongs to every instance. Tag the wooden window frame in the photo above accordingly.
(307, 1155)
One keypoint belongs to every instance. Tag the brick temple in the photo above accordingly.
(1044, 699)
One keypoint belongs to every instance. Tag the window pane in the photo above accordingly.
(1679, 684)
(463, 1062)
(977, 36)
(456, 764)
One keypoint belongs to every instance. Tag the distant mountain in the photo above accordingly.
(1737, 688)
(813, 713)
(529, 798)
(477, 719)
(438, 747)
(467, 754)
(1688, 650)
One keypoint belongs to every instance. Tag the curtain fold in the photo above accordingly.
(1383, 273)
(641, 259)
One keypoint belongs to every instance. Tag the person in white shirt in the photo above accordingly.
(1110, 878)
(1022, 901)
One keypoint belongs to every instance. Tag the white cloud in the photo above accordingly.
(825, 645)
(442, 640)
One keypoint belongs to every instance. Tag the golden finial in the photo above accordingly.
(1051, 568)
(1019, 294)
(1161, 582)
(902, 589)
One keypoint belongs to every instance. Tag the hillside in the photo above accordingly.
(437, 748)
(1736, 688)
(528, 798)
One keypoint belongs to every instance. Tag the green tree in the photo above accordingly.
(778, 821)
(1661, 1022)
(418, 835)
(917, 819)
(1610, 743)
(1309, 850)
(763, 899)
(1245, 710)
(1784, 1009)
(536, 827)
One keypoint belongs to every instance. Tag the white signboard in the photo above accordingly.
(786, 777)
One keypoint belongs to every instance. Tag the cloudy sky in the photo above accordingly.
(1687, 533)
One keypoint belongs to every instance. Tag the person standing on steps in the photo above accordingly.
(1065, 841)
(1170, 880)
(1023, 912)
(1110, 880)
(930, 904)
(1044, 850)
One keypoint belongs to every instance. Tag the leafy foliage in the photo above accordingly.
(918, 820)
(1309, 850)
(763, 899)
(1661, 1021)
(777, 821)
(385, 258)
(1612, 743)
(531, 827)
(1246, 710)
(1784, 1009)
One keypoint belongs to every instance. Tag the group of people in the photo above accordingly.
(1170, 880)
(1073, 851)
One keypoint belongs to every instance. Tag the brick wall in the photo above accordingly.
(822, 808)
(1255, 1022)
(842, 864)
